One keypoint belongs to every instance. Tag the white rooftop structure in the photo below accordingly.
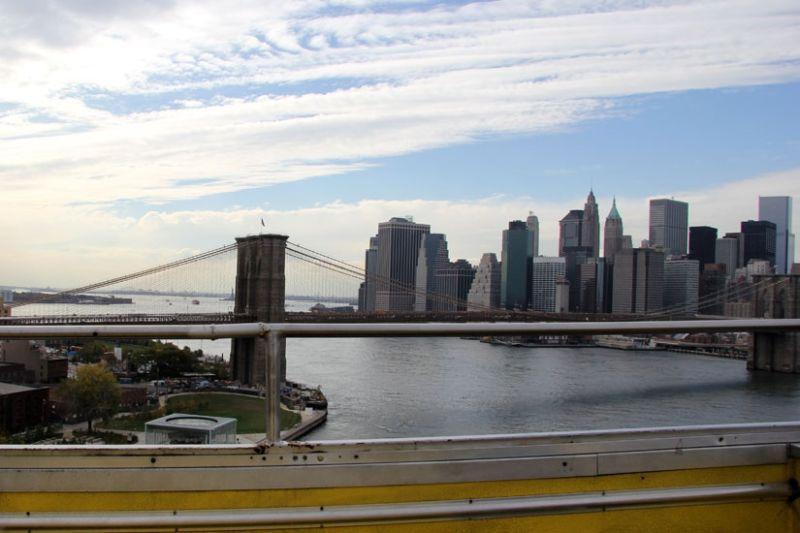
(179, 428)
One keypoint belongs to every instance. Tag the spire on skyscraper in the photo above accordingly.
(614, 214)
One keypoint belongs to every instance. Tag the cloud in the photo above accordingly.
(160, 101)
(120, 245)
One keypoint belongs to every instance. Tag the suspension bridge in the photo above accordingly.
(199, 289)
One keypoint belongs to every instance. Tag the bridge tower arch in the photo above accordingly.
(777, 296)
(260, 293)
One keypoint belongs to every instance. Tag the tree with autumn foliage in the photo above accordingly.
(93, 393)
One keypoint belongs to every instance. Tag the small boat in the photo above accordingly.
(195, 302)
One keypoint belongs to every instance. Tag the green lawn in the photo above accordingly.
(247, 410)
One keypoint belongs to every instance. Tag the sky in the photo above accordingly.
(136, 133)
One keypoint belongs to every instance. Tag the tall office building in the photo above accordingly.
(759, 241)
(433, 256)
(532, 222)
(592, 279)
(574, 257)
(613, 238)
(681, 286)
(454, 282)
(590, 227)
(485, 290)
(778, 210)
(514, 267)
(739, 236)
(398, 249)
(570, 230)
(366, 300)
(638, 281)
(726, 253)
(669, 223)
(702, 245)
(545, 272)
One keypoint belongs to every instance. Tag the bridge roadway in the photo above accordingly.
(308, 317)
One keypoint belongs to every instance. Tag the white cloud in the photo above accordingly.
(59, 256)
(413, 79)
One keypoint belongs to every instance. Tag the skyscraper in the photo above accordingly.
(759, 241)
(590, 227)
(726, 252)
(514, 276)
(778, 210)
(570, 230)
(370, 281)
(532, 222)
(398, 248)
(592, 278)
(669, 222)
(575, 256)
(454, 282)
(613, 237)
(681, 286)
(638, 280)
(545, 272)
(485, 290)
(702, 245)
(433, 256)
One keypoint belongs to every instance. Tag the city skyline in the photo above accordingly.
(136, 134)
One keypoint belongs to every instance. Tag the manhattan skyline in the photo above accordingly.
(129, 141)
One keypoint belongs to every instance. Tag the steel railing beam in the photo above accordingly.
(390, 329)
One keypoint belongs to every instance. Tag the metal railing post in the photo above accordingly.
(273, 387)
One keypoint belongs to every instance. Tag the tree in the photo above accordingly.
(165, 360)
(93, 393)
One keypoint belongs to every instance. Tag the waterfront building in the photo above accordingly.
(485, 290)
(575, 256)
(366, 299)
(398, 247)
(669, 223)
(532, 222)
(454, 282)
(759, 240)
(681, 285)
(590, 226)
(638, 281)
(433, 256)
(570, 229)
(545, 272)
(726, 252)
(514, 267)
(613, 238)
(778, 210)
(702, 244)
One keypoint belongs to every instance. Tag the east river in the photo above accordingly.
(405, 387)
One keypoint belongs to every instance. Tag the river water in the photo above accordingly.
(405, 387)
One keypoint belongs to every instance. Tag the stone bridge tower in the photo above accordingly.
(776, 296)
(260, 293)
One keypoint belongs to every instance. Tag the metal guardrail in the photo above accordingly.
(372, 514)
(274, 332)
